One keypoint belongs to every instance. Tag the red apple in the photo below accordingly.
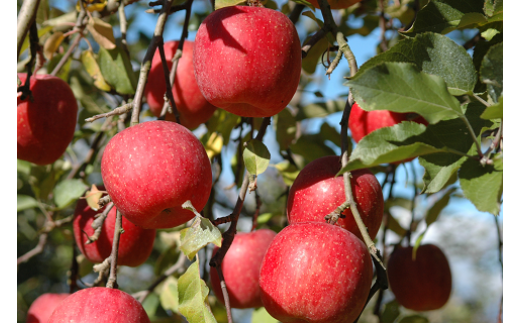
(316, 273)
(423, 284)
(336, 4)
(151, 169)
(135, 244)
(241, 268)
(317, 192)
(42, 307)
(191, 104)
(46, 124)
(100, 305)
(248, 60)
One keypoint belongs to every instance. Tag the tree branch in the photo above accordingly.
(112, 279)
(26, 17)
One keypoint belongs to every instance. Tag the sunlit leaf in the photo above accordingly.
(256, 157)
(67, 191)
(24, 202)
(169, 295)
(92, 67)
(494, 111)
(102, 33)
(52, 44)
(116, 69)
(262, 316)
(201, 233)
(227, 3)
(193, 294)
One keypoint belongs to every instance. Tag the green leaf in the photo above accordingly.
(23, 167)
(264, 218)
(150, 304)
(320, 110)
(306, 3)
(483, 185)
(285, 127)
(491, 71)
(443, 16)
(414, 319)
(261, 315)
(311, 147)
(494, 111)
(394, 225)
(328, 132)
(390, 312)
(201, 233)
(222, 122)
(256, 157)
(401, 87)
(116, 69)
(64, 71)
(433, 54)
(67, 191)
(227, 3)
(24, 202)
(193, 294)
(310, 61)
(170, 295)
(435, 210)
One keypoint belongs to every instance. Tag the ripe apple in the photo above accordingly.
(135, 244)
(316, 192)
(151, 169)
(248, 60)
(42, 307)
(100, 305)
(241, 268)
(46, 124)
(336, 4)
(191, 104)
(423, 284)
(316, 273)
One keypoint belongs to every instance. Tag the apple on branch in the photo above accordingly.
(42, 307)
(317, 192)
(248, 60)
(423, 283)
(100, 305)
(241, 268)
(135, 244)
(151, 169)
(191, 104)
(316, 273)
(46, 122)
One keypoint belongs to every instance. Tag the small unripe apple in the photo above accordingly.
(151, 169)
(100, 305)
(336, 4)
(316, 273)
(241, 268)
(46, 123)
(248, 60)
(135, 244)
(423, 284)
(317, 192)
(42, 307)
(191, 104)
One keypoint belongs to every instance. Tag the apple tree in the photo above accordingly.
(143, 161)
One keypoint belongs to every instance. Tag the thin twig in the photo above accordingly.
(26, 17)
(257, 211)
(382, 26)
(112, 279)
(36, 250)
(117, 111)
(500, 243)
(312, 41)
(123, 25)
(169, 102)
(97, 224)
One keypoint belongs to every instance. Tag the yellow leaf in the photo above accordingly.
(93, 197)
(92, 67)
(52, 43)
(91, 7)
(214, 145)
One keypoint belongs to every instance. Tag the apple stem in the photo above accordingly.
(112, 279)
(333, 217)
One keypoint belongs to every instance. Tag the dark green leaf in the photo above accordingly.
(434, 54)
(443, 16)
(482, 185)
(491, 71)
(311, 147)
(495, 111)
(313, 57)
(390, 312)
(327, 132)
(116, 69)
(285, 126)
(401, 87)
(414, 319)
(319, 110)
(223, 122)
(435, 210)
